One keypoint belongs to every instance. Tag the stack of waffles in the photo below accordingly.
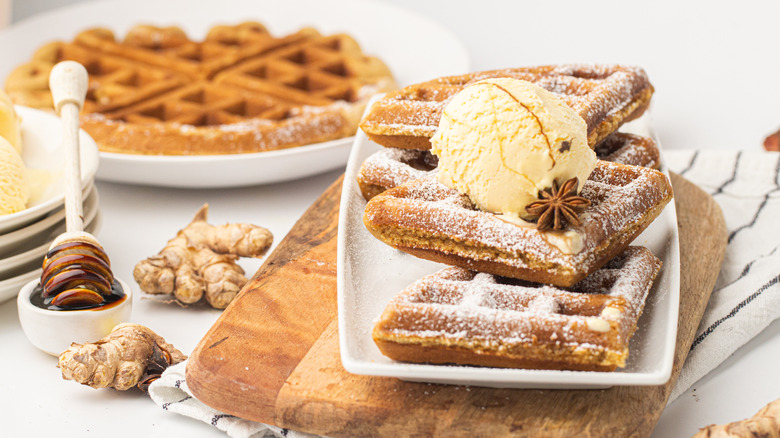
(239, 90)
(516, 296)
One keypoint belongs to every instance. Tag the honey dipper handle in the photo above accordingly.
(68, 84)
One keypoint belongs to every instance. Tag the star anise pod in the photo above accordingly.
(558, 207)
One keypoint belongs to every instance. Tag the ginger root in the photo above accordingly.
(130, 355)
(201, 260)
(772, 141)
(765, 423)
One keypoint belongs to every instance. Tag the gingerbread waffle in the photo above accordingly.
(635, 150)
(605, 96)
(239, 90)
(470, 318)
(391, 167)
(169, 48)
(429, 220)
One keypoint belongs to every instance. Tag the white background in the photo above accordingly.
(715, 69)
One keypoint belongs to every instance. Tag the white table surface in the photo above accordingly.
(715, 71)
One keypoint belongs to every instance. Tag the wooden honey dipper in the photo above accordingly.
(76, 270)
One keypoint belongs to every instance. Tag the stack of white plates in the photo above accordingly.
(25, 236)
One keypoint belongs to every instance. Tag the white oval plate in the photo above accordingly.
(214, 171)
(37, 246)
(365, 286)
(24, 238)
(414, 47)
(10, 287)
(15, 241)
(42, 141)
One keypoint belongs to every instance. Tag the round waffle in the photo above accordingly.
(239, 90)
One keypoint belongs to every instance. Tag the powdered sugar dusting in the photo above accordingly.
(391, 167)
(596, 92)
(500, 316)
(621, 197)
(226, 101)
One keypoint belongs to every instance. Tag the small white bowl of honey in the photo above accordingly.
(52, 328)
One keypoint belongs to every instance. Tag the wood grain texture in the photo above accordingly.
(318, 396)
(244, 359)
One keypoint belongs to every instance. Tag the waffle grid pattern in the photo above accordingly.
(498, 321)
(605, 96)
(391, 167)
(237, 74)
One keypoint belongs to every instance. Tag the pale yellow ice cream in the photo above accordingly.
(500, 141)
(9, 123)
(13, 190)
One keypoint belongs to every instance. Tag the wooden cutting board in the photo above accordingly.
(273, 354)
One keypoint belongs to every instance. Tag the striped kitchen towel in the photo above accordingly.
(172, 394)
(746, 297)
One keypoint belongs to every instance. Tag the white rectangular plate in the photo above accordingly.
(370, 273)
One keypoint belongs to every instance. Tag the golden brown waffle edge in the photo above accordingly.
(605, 96)
(239, 90)
(391, 167)
(428, 220)
(470, 318)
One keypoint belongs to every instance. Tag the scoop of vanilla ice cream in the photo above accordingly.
(9, 123)
(500, 141)
(13, 190)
